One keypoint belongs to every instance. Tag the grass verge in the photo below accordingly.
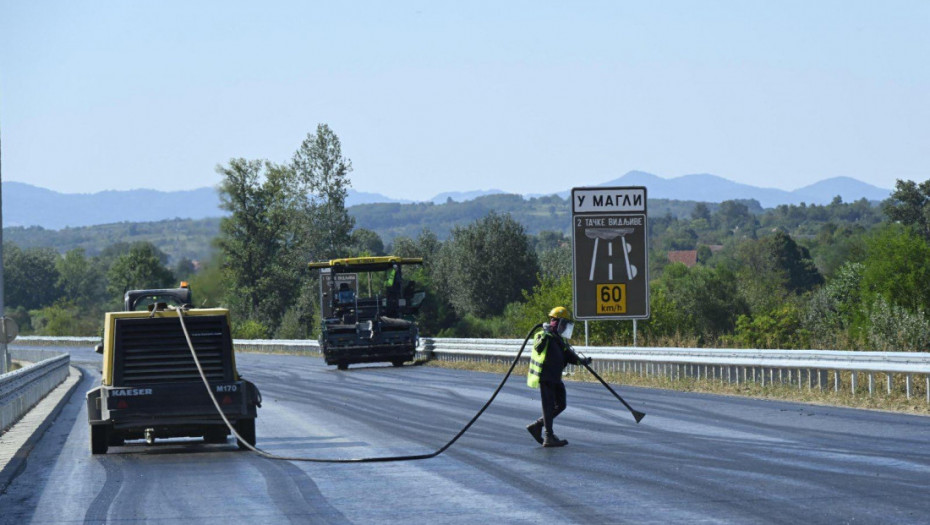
(897, 401)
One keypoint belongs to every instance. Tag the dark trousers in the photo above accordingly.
(553, 399)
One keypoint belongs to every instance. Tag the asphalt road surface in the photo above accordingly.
(694, 458)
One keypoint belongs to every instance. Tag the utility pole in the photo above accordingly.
(4, 355)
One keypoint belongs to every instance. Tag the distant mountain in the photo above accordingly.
(711, 188)
(27, 205)
(848, 188)
(462, 196)
(355, 198)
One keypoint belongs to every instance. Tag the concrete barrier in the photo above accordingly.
(21, 389)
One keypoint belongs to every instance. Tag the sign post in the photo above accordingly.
(4, 355)
(610, 247)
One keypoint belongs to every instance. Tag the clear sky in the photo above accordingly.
(428, 97)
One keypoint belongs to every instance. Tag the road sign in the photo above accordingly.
(9, 330)
(610, 253)
(350, 280)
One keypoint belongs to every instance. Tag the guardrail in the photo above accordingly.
(278, 346)
(48, 340)
(21, 389)
(801, 368)
(819, 369)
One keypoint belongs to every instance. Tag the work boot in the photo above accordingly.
(535, 430)
(553, 441)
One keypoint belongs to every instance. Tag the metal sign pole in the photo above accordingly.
(634, 333)
(4, 355)
(586, 333)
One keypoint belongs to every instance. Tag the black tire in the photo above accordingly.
(342, 366)
(116, 440)
(397, 362)
(215, 435)
(246, 429)
(99, 439)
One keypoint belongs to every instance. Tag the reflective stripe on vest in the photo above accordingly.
(537, 358)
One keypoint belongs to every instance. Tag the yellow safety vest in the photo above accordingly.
(537, 358)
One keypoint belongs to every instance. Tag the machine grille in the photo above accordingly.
(150, 351)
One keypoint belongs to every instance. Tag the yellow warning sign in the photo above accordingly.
(611, 299)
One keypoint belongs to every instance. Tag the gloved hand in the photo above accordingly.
(585, 360)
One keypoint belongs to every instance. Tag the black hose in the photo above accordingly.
(356, 460)
(637, 415)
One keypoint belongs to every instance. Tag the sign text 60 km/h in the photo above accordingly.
(611, 299)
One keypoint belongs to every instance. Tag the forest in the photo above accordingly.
(851, 276)
(192, 238)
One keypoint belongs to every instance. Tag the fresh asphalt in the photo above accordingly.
(694, 458)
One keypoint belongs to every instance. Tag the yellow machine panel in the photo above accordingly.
(109, 332)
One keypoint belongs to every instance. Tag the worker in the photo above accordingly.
(345, 296)
(551, 352)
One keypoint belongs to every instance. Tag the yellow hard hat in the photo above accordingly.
(560, 312)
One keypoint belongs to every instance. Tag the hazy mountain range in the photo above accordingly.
(27, 205)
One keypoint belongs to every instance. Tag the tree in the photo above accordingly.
(261, 240)
(550, 240)
(64, 318)
(795, 260)
(909, 204)
(893, 328)
(282, 216)
(142, 268)
(556, 263)
(365, 242)
(184, 269)
(680, 237)
(436, 312)
(536, 304)
(834, 308)
(770, 269)
(761, 282)
(208, 286)
(897, 268)
(701, 211)
(735, 215)
(487, 265)
(705, 300)
(80, 280)
(30, 276)
(704, 254)
(321, 168)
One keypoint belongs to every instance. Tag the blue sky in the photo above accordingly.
(428, 97)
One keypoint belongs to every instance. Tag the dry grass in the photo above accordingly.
(897, 401)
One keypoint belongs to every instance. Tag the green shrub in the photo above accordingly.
(64, 318)
(895, 328)
(780, 328)
(249, 329)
